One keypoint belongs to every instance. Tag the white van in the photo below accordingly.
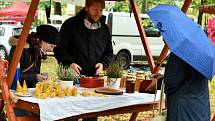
(56, 21)
(127, 44)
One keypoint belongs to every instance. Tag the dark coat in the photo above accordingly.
(27, 59)
(83, 46)
(187, 92)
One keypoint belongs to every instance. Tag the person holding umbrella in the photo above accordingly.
(190, 65)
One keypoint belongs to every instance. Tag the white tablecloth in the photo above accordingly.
(58, 108)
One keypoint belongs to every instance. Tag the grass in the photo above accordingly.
(50, 66)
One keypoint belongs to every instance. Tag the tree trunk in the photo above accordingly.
(144, 6)
(57, 9)
(200, 15)
(48, 11)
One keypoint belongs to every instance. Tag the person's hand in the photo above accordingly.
(99, 68)
(76, 68)
(41, 78)
(155, 78)
(152, 85)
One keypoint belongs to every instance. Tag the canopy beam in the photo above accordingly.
(153, 67)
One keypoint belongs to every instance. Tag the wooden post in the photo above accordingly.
(24, 34)
(7, 100)
(17, 54)
(142, 35)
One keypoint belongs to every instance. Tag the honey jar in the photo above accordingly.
(130, 85)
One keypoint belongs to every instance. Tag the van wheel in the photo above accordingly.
(3, 53)
(124, 59)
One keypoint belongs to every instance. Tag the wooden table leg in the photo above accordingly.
(28, 118)
(134, 116)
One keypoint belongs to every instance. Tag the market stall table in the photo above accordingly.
(82, 107)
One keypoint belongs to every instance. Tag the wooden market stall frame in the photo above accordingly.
(6, 81)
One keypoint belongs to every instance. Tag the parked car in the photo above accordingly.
(6, 31)
(126, 41)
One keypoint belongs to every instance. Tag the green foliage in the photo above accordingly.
(114, 70)
(66, 73)
(4, 116)
(121, 6)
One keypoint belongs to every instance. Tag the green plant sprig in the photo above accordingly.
(66, 73)
(114, 70)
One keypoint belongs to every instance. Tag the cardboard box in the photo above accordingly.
(144, 84)
(92, 82)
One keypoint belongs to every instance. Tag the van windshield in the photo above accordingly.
(17, 31)
(150, 29)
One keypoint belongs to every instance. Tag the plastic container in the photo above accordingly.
(16, 77)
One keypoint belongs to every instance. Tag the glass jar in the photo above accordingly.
(130, 85)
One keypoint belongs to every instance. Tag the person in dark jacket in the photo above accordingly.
(186, 90)
(86, 41)
(44, 40)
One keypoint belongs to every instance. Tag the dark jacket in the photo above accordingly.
(29, 64)
(187, 92)
(83, 46)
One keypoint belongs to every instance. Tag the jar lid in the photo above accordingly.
(140, 72)
(130, 79)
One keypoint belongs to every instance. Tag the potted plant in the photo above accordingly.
(66, 75)
(114, 72)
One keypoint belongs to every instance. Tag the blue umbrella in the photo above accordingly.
(185, 38)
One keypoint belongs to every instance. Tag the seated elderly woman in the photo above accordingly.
(44, 40)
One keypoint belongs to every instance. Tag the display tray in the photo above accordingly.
(109, 91)
(23, 95)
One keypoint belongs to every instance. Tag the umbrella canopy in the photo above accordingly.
(185, 38)
(16, 9)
